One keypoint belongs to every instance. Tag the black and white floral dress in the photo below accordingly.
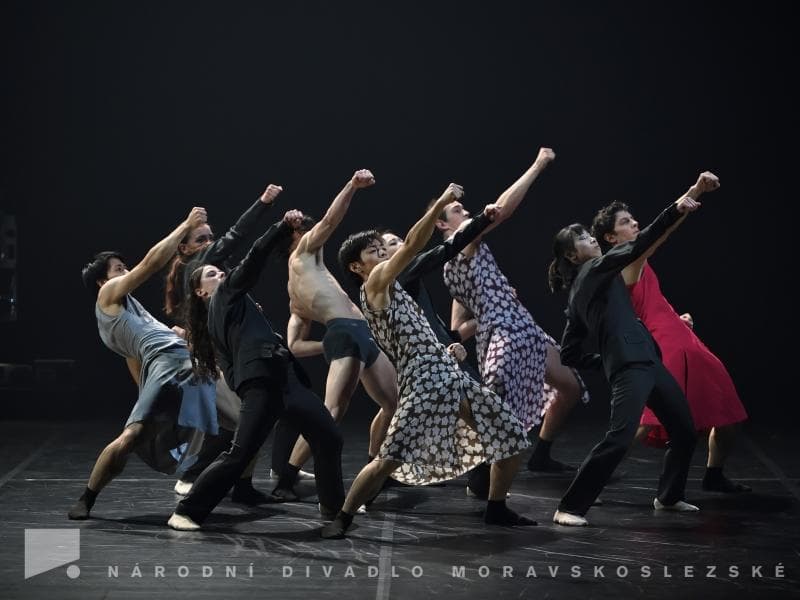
(426, 433)
(512, 348)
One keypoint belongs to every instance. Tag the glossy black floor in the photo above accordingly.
(415, 542)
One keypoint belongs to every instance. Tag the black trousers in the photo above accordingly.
(264, 401)
(632, 388)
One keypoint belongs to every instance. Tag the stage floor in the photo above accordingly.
(415, 542)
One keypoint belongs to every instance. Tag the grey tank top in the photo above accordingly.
(134, 332)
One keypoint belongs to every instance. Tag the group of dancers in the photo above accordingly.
(213, 387)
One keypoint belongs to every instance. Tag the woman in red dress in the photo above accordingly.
(712, 397)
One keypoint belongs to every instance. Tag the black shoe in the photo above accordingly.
(724, 485)
(247, 494)
(284, 495)
(549, 465)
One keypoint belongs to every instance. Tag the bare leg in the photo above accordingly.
(380, 382)
(342, 380)
(568, 392)
(367, 484)
(641, 433)
(108, 465)
(721, 441)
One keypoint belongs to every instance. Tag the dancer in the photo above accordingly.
(348, 345)
(599, 308)
(171, 403)
(445, 423)
(262, 371)
(518, 360)
(199, 247)
(412, 281)
(708, 387)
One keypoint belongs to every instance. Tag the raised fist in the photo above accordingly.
(707, 182)
(363, 178)
(687, 204)
(457, 351)
(453, 192)
(197, 216)
(293, 218)
(271, 193)
(545, 155)
(491, 211)
(687, 318)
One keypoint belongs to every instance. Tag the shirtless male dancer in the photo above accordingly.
(348, 345)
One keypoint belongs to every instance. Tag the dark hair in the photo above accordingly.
(173, 282)
(197, 334)
(97, 269)
(562, 270)
(282, 247)
(604, 221)
(350, 251)
(442, 216)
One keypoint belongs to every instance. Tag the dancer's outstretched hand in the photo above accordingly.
(271, 193)
(545, 156)
(457, 351)
(491, 211)
(363, 178)
(687, 204)
(197, 216)
(293, 218)
(707, 182)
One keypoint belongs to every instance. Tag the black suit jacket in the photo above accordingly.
(599, 307)
(433, 260)
(246, 345)
(221, 250)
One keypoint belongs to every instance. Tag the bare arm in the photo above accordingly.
(114, 290)
(297, 332)
(319, 234)
(462, 321)
(706, 182)
(134, 367)
(509, 200)
(384, 274)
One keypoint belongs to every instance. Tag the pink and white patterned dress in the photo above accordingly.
(512, 348)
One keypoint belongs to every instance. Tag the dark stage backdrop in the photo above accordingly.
(119, 116)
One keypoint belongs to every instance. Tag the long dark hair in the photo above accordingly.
(562, 270)
(198, 336)
(173, 283)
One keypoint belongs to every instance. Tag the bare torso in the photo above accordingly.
(314, 293)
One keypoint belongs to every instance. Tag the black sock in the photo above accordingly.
(244, 482)
(542, 450)
(89, 497)
(289, 476)
(497, 513)
(714, 480)
(80, 510)
(336, 529)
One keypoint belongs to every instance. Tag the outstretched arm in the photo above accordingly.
(114, 290)
(316, 237)
(619, 257)
(384, 274)
(435, 258)
(706, 182)
(219, 251)
(297, 332)
(245, 275)
(509, 200)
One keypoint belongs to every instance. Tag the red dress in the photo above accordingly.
(709, 389)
